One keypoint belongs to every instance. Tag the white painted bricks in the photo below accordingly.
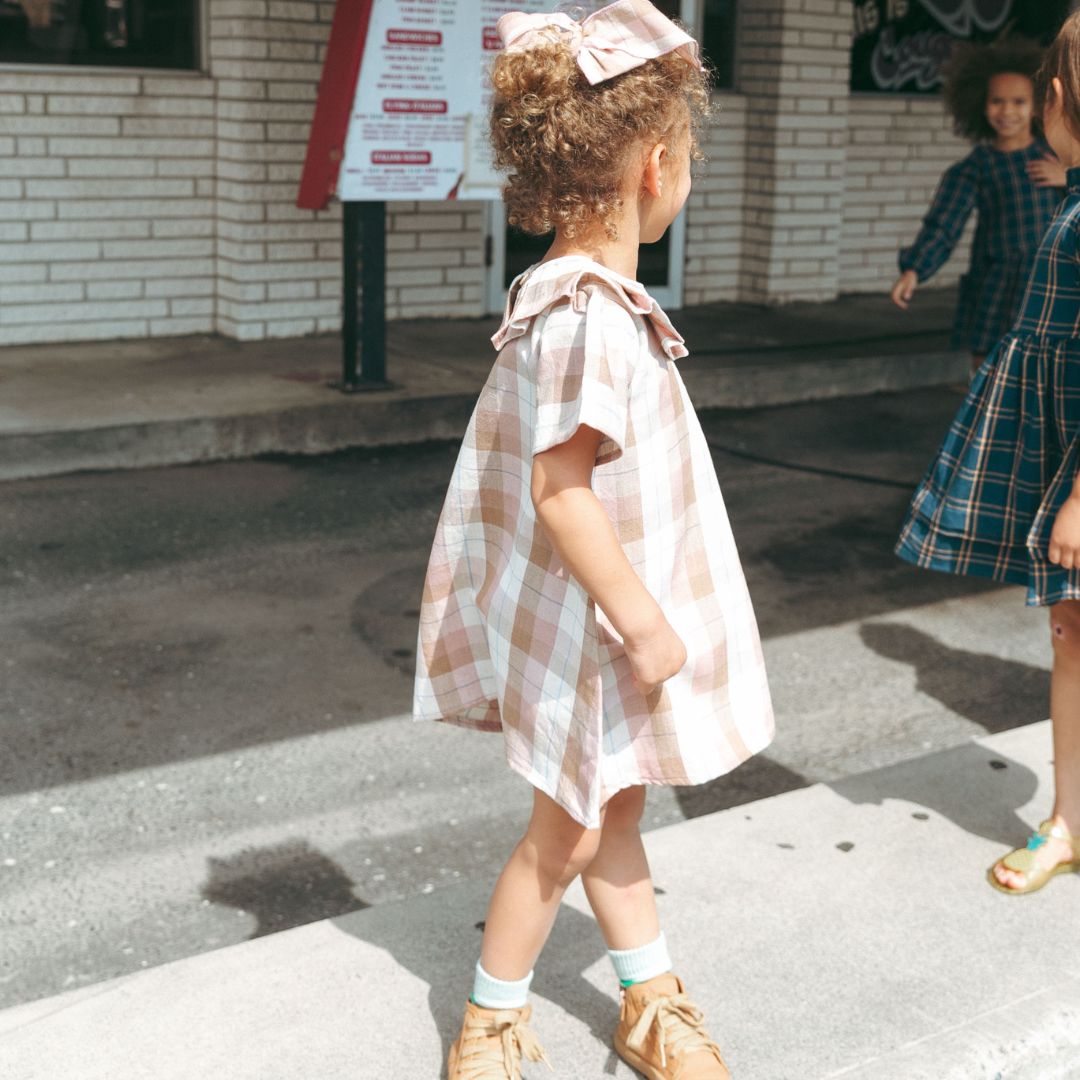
(122, 196)
(151, 204)
(898, 148)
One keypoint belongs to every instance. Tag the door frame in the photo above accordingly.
(668, 296)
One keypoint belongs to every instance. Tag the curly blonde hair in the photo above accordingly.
(566, 144)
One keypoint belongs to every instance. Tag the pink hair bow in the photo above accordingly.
(611, 41)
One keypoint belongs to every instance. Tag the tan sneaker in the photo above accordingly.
(661, 1033)
(492, 1043)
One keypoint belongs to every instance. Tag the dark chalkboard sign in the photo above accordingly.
(900, 46)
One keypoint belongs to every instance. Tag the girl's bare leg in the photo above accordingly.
(553, 851)
(1065, 717)
(617, 881)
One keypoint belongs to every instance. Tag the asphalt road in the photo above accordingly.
(206, 671)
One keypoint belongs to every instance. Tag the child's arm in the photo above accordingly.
(581, 532)
(1065, 535)
(904, 288)
(941, 230)
(1047, 172)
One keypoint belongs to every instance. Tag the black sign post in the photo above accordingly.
(363, 331)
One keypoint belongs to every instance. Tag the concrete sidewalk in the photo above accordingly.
(839, 930)
(129, 404)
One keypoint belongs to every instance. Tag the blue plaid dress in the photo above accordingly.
(1013, 215)
(987, 504)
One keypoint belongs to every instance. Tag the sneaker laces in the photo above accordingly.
(679, 1026)
(492, 1047)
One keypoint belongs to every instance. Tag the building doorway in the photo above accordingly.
(510, 251)
(660, 265)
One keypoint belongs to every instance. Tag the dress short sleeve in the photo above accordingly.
(583, 366)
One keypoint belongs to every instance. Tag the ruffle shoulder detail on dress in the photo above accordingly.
(538, 289)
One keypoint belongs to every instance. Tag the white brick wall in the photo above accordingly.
(106, 223)
(435, 259)
(793, 65)
(714, 215)
(898, 147)
(136, 205)
(275, 264)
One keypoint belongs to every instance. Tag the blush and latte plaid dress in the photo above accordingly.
(987, 504)
(1012, 216)
(508, 640)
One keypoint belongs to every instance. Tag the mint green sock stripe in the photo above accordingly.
(641, 964)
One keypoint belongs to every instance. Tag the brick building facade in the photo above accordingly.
(138, 204)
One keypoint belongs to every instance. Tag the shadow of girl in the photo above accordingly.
(977, 789)
(437, 939)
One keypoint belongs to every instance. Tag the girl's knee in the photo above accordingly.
(561, 846)
(562, 857)
(1065, 629)
(624, 809)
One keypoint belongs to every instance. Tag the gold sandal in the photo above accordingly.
(1022, 860)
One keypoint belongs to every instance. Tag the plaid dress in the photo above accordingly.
(987, 504)
(508, 640)
(1013, 215)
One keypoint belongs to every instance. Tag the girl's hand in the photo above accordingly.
(904, 289)
(1046, 172)
(1065, 535)
(655, 654)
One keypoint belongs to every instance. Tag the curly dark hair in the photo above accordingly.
(968, 73)
(565, 144)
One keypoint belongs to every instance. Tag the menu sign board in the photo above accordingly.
(418, 128)
(901, 46)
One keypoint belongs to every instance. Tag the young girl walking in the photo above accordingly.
(1011, 178)
(584, 594)
(1002, 499)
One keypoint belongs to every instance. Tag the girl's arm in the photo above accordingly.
(1047, 172)
(944, 222)
(1065, 535)
(582, 534)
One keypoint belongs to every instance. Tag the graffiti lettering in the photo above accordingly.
(867, 18)
(960, 16)
(917, 58)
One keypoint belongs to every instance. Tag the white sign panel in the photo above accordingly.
(418, 128)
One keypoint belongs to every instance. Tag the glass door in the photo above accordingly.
(660, 265)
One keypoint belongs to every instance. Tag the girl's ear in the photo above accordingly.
(1057, 92)
(652, 179)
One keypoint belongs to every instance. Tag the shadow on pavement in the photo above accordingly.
(976, 789)
(283, 886)
(756, 778)
(995, 693)
(442, 950)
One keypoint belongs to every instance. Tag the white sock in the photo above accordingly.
(491, 993)
(645, 962)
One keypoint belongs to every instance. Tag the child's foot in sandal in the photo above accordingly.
(1050, 851)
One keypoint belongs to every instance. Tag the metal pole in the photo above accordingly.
(373, 292)
(350, 314)
(363, 327)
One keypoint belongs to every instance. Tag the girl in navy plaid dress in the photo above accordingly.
(1010, 177)
(1002, 499)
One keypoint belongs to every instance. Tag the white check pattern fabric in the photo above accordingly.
(508, 640)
